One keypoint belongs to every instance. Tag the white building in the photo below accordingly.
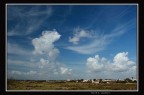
(85, 80)
(97, 81)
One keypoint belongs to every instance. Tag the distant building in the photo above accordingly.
(96, 81)
(85, 80)
(107, 80)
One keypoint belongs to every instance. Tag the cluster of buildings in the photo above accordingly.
(96, 81)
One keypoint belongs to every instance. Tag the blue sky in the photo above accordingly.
(71, 41)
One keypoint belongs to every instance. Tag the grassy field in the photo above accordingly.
(27, 85)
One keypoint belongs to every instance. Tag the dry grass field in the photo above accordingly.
(28, 85)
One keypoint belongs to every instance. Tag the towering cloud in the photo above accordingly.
(44, 61)
(44, 46)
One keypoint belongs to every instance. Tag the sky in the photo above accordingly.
(60, 42)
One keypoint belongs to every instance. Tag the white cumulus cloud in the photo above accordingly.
(120, 63)
(44, 64)
(95, 64)
(30, 73)
(45, 44)
(64, 70)
(52, 67)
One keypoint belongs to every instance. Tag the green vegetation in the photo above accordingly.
(43, 85)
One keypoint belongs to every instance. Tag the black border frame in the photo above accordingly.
(3, 50)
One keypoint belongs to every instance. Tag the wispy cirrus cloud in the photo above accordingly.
(78, 35)
(26, 20)
(21, 75)
(99, 42)
(13, 48)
